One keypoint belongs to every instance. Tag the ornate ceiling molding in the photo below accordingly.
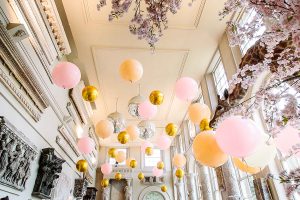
(19, 69)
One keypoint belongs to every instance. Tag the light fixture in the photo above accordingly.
(147, 129)
(133, 105)
(118, 121)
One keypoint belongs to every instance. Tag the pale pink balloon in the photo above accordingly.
(86, 145)
(287, 138)
(186, 89)
(238, 137)
(106, 168)
(163, 142)
(146, 144)
(147, 110)
(66, 75)
(157, 172)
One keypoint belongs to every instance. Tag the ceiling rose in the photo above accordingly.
(118, 121)
(150, 17)
(147, 129)
(133, 105)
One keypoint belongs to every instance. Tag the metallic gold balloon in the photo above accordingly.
(164, 188)
(141, 176)
(149, 151)
(160, 165)
(204, 125)
(118, 176)
(156, 97)
(105, 182)
(82, 165)
(112, 152)
(171, 129)
(133, 164)
(123, 137)
(90, 93)
(179, 173)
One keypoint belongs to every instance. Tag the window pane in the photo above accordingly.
(151, 161)
(220, 78)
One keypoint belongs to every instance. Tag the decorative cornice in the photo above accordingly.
(50, 16)
(19, 68)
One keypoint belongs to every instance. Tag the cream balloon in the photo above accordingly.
(264, 153)
(198, 111)
(133, 132)
(121, 156)
(104, 129)
(131, 70)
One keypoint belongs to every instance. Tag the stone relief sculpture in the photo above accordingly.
(16, 156)
(80, 187)
(152, 180)
(64, 187)
(106, 193)
(90, 194)
(49, 170)
(128, 190)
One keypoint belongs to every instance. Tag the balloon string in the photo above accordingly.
(117, 104)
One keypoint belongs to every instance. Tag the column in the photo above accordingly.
(180, 190)
(205, 183)
(261, 187)
(128, 190)
(191, 186)
(226, 175)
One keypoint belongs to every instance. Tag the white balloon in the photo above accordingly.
(264, 153)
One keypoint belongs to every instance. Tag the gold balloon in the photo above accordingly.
(204, 125)
(90, 93)
(141, 176)
(179, 173)
(164, 188)
(118, 176)
(128, 161)
(133, 163)
(82, 165)
(156, 97)
(171, 129)
(149, 151)
(123, 137)
(105, 182)
(160, 165)
(112, 152)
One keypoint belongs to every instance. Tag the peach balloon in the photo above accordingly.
(238, 137)
(198, 111)
(163, 142)
(179, 160)
(244, 167)
(104, 129)
(131, 70)
(133, 132)
(86, 145)
(186, 89)
(106, 168)
(121, 156)
(66, 75)
(157, 172)
(207, 151)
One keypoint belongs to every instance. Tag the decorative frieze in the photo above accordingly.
(153, 180)
(80, 188)
(90, 194)
(16, 156)
(50, 166)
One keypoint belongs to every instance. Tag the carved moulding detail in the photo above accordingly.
(80, 187)
(50, 166)
(16, 156)
(14, 61)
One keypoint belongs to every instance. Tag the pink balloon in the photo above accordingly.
(163, 142)
(238, 137)
(157, 172)
(66, 75)
(106, 168)
(145, 144)
(147, 110)
(86, 145)
(186, 89)
(286, 139)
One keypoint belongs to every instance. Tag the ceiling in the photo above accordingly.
(185, 50)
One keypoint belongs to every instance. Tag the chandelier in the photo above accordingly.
(148, 21)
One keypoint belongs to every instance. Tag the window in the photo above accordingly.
(220, 78)
(112, 161)
(151, 161)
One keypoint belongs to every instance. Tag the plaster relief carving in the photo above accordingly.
(50, 166)
(17, 31)
(80, 188)
(152, 180)
(91, 193)
(16, 156)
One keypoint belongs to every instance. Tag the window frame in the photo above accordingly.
(150, 168)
